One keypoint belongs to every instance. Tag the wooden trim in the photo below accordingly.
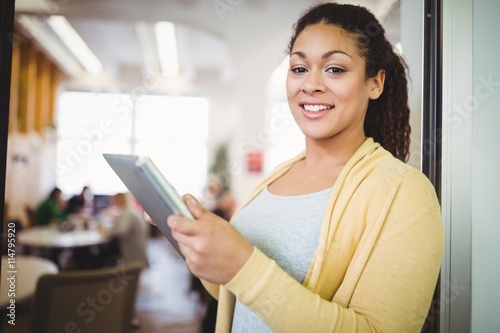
(55, 80)
(44, 93)
(34, 87)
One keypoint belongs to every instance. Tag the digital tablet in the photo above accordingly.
(147, 184)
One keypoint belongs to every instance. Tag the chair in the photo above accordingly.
(100, 300)
(30, 213)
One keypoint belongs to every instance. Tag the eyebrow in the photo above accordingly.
(325, 55)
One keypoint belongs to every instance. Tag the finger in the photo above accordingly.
(187, 252)
(183, 225)
(194, 206)
(150, 221)
(182, 239)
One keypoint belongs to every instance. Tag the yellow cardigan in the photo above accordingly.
(377, 261)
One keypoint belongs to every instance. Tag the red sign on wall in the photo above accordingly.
(254, 161)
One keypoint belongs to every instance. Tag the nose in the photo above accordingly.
(313, 83)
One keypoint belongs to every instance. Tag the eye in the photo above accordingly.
(335, 70)
(298, 69)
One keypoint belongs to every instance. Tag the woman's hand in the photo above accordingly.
(214, 250)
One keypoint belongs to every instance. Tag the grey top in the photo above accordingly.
(286, 229)
(132, 233)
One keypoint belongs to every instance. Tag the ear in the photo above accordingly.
(377, 84)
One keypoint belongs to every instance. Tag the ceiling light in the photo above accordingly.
(54, 49)
(75, 43)
(149, 49)
(167, 48)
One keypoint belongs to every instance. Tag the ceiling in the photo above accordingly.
(212, 35)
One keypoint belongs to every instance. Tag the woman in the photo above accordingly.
(345, 237)
(130, 229)
(51, 210)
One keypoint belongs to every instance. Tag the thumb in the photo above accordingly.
(194, 206)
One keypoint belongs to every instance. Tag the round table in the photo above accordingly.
(50, 237)
(24, 272)
(78, 248)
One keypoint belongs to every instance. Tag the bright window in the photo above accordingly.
(171, 130)
(286, 138)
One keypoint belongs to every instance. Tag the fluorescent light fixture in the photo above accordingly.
(167, 48)
(75, 43)
(148, 45)
(55, 50)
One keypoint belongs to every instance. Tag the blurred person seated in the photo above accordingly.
(218, 198)
(52, 209)
(225, 205)
(129, 228)
(79, 209)
(80, 203)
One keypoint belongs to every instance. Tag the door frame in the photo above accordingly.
(6, 40)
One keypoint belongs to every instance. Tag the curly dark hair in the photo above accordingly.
(387, 119)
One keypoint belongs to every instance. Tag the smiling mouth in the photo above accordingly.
(316, 107)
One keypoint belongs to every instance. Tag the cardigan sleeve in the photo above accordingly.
(392, 294)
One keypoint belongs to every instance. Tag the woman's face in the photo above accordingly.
(326, 87)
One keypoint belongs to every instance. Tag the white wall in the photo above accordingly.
(471, 164)
(485, 108)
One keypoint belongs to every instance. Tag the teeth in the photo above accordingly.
(316, 108)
